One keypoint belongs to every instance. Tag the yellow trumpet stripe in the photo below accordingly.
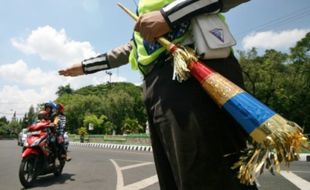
(220, 89)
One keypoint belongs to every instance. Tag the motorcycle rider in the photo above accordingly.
(51, 108)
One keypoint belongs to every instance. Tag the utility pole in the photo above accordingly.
(110, 74)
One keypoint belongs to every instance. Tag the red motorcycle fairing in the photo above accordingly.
(32, 138)
(29, 151)
(39, 126)
(44, 146)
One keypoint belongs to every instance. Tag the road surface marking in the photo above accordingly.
(297, 181)
(143, 183)
(294, 171)
(135, 165)
(120, 179)
(134, 186)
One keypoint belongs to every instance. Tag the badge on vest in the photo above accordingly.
(212, 37)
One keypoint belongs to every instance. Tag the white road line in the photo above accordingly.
(143, 183)
(119, 175)
(294, 171)
(134, 186)
(297, 181)
(124, 160)
(136, 165)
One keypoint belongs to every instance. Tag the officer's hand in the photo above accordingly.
(151, 26)
(74, 70)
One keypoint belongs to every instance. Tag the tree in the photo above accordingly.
(131, 126)
(96, 122)
(14, 127)
(4, 129)
(64, 90)
(115, 102)
(24, 121)
(109, 127)
(282, 81)
(31, 115)
(3, 120)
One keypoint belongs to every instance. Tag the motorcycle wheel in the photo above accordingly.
(59, 165)
(27, 171)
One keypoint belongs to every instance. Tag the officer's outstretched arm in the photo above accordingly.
(112, 59)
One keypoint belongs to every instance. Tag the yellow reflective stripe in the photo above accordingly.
(143, 57)
(146, 6)
(132, 57)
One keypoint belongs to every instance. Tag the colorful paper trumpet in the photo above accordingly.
(275, 139)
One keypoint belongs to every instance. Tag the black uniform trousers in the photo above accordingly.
(190, 134)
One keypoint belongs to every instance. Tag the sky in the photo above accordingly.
(37, 38)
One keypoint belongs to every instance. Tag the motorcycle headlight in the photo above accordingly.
(26, 143)
(36, 142)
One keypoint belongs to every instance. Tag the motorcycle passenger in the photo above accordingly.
(43, 116)
(60, 121)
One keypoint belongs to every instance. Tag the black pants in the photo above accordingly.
(190, 134)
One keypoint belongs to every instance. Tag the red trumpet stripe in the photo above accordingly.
(172, 48)
(200, 71)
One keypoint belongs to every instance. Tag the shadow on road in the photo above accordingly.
(50, 179)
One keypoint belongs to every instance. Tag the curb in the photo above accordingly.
(304, 157)
(114, 146)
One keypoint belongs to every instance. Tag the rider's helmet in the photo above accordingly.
(61, 108)
(50, 105)
(43, 115)
(51, 108)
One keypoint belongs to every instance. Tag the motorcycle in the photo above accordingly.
(40, 154)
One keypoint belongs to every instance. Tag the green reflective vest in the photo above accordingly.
(144, 54)
(141, 55)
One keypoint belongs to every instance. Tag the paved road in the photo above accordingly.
(95, 168)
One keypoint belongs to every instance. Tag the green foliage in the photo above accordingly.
(91, 119)
(282, 81)
(31, 115)
(109, 127)
(9, 128)
(62, 90)
(3, 120)
(14, 127)
(4, 129)
(82, 131)
(131, 126)
(105, 105)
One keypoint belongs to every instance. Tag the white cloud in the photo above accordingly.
(53, 45)
(274, 40)
(22, 85)
(20, 73)
(13, 99)
(31, 86)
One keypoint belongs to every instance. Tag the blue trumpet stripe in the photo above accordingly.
(248, 111)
